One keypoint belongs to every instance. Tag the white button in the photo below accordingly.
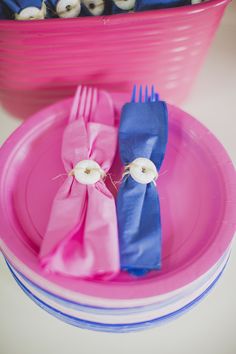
(125, 4)
(95, 7)
(143, 170)
(32, 13)
(68, 8)
(88, 172)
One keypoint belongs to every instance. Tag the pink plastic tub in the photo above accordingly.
(197, 194)
(43, 61)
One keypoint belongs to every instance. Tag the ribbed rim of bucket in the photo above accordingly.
(119, 18)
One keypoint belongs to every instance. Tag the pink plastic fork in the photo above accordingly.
(84, 103)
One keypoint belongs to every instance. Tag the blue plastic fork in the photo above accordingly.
(152, 97)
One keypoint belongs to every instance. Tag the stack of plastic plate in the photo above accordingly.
(197, 195)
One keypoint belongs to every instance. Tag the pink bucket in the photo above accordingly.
(43, 61)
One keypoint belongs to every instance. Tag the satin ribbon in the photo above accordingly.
(81, 238)
(142, 133)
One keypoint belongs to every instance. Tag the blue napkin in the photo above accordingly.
(141, 5)
(4, 12)
(51, 8)
(143, 133)
(159, 4)
(16, 6)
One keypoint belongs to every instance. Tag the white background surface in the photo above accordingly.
(210, 328)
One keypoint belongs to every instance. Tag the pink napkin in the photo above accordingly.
(81, 239)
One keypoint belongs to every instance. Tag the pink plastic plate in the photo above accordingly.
(197, 194)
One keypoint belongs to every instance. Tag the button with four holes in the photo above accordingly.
(68, 8)
(143, 170)
(88, 172)
(95, 7)
(125, 4)
(31, 13)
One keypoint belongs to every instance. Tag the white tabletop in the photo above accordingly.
(207, 329)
